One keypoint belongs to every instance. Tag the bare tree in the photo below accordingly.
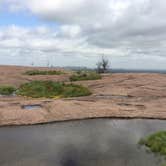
(103, 65)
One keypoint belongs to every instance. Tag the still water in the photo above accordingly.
(99, 142)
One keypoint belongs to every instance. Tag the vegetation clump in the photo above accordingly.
(156, 142)
(43, 72)
(50, 89)
(7, 90)
(85, 75)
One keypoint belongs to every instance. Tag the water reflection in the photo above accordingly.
(100, 142)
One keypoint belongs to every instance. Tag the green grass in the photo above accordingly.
(164, 164)
(43, 72)
(7, 90)
(85, 75)
(72, 90)
(50, 89)
(156, 142)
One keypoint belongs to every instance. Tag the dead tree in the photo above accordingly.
(103, 65)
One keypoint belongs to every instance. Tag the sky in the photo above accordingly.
(131, 34)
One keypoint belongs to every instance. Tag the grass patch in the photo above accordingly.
(72, 90)
(85, 75)
(156, 142)
(163, 164)
(43, 72)
(50, 89)
(7, 90)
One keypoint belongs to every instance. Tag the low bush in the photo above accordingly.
(84, 75)
(72, 90)
(43, 72)
(7, 90)
(156, 142)
(50, 89)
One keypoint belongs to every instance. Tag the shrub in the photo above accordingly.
(50, 89)
(7, 90)
(84, 75)
(43, 72)
(156, 142)
(72, 90)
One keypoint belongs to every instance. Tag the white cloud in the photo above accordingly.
(70, 31)
(105, 20)
(46, 41)
(111, 27)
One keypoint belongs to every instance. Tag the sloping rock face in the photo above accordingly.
(14, 75)
(130, 95)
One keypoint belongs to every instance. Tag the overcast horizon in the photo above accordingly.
(130, 33)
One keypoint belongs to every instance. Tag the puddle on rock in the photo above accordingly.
(31, 107)
(98, 142)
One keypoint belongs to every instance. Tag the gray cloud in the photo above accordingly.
(120, 28)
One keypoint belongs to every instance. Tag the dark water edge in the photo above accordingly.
(97, 142)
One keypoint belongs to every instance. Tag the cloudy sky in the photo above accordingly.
(130, 33)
